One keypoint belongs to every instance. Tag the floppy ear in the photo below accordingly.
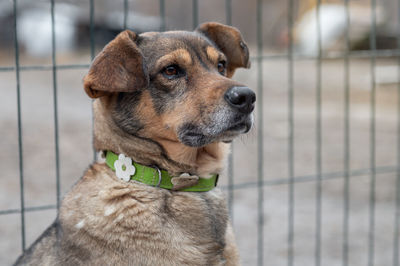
(229, 40)
(119, 67)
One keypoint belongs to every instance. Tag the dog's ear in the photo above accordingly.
(119, 67)
(230, 42)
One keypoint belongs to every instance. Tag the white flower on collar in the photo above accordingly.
(124, 168)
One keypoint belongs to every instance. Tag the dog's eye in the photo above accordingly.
(172, 71)
(221, 67)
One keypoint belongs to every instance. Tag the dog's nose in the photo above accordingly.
(241, 98)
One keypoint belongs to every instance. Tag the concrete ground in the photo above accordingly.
(75, 124)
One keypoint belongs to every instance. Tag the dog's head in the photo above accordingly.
(175, 86)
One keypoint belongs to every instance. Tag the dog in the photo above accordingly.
(165, 112)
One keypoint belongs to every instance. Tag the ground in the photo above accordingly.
(75, 124)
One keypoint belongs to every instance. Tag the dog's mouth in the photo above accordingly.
(236, 130)
(199, 135)
(241, 127)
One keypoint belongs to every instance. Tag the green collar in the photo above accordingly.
(128, 170)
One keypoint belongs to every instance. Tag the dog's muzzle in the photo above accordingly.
(230, 119)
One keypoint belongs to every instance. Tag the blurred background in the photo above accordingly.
(316, 182)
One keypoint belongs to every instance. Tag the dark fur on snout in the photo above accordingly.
(160, 99)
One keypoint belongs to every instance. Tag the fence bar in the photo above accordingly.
(260, 139)
(44, 68)
(363, 54)
(91, 18)
(371, 236)
(195, 13)
(291, 206)
(28, 209)
(126, 9)
(92, 51)
(397, 211)
(318, 141)
(313, 178)
(346, 148)
(162, 15)
(19, 116)
(228, 12)
(55, 103)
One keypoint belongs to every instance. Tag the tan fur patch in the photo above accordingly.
(180, 55)
(212, 54)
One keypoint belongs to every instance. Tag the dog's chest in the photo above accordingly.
(171, 226)
(198, 214)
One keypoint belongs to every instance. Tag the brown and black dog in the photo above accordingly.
(165, 100)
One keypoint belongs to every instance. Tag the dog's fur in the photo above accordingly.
(180, 123)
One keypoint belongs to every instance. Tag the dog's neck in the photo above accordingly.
(170, 155)
(205, 160)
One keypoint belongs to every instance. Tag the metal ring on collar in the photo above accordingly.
(159, 176)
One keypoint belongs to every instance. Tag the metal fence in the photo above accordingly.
(260, 183)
